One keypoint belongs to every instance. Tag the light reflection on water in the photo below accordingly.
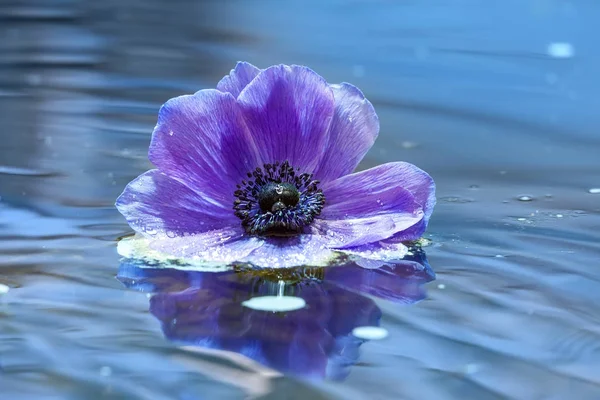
(496, 101)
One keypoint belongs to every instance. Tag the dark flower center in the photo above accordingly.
(276, 196)
(277, 200)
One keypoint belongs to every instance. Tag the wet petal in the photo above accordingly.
(288, 110)
(213, 250)
(224, 245)
(416, 181)
(422, 187)
(375, 254)
(294, 251)
(203, 141)
(353, 131)
(154, 203)
(366, 207)
(238, 78)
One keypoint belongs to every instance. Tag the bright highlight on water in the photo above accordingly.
(275, 303)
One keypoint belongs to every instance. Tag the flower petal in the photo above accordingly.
(287, 252)
(422, 187)
(238, 78)
(288, 111)
(154, 203)
(353, 131)
(366, 207)
(223, 245)
(416, 181)
(203, 141)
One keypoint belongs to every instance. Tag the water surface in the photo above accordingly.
(497, 101)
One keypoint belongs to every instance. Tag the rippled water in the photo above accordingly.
(497, 100)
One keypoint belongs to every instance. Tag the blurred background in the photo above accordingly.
(497, 100)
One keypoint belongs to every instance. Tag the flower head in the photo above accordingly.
(259, 170)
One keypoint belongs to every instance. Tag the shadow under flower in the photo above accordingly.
(299, 321)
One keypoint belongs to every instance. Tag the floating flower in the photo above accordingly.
(208, 310)
(259, 170)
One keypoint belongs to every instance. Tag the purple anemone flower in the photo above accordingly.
(259, 170)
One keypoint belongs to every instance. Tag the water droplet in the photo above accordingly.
(279, 189)
(150, 231)
(561, 50)
(559, 215)
(594, 190)
(370, 332)
(471, 368)
(456, 199)
(4, 289)
(171, 133)
(441, 286)
(525, 198)
(521, 219)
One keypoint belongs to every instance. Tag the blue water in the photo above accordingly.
(497, 100)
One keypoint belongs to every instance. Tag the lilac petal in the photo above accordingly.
(154, 203)
(287, 252)
(416, 181)
(223, 245)
(238, 78)
(376, 254)
(203, 141)
(353, 131)
(422, 187)
(288, 110)
(366, 207)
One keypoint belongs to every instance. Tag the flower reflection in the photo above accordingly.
(212, 310)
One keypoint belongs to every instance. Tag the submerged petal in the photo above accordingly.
(154, 203)
(238, 78)
(288, 110)
(353, 131)
(366, 207)
(203, 141)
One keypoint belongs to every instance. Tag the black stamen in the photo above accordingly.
(280, 200)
